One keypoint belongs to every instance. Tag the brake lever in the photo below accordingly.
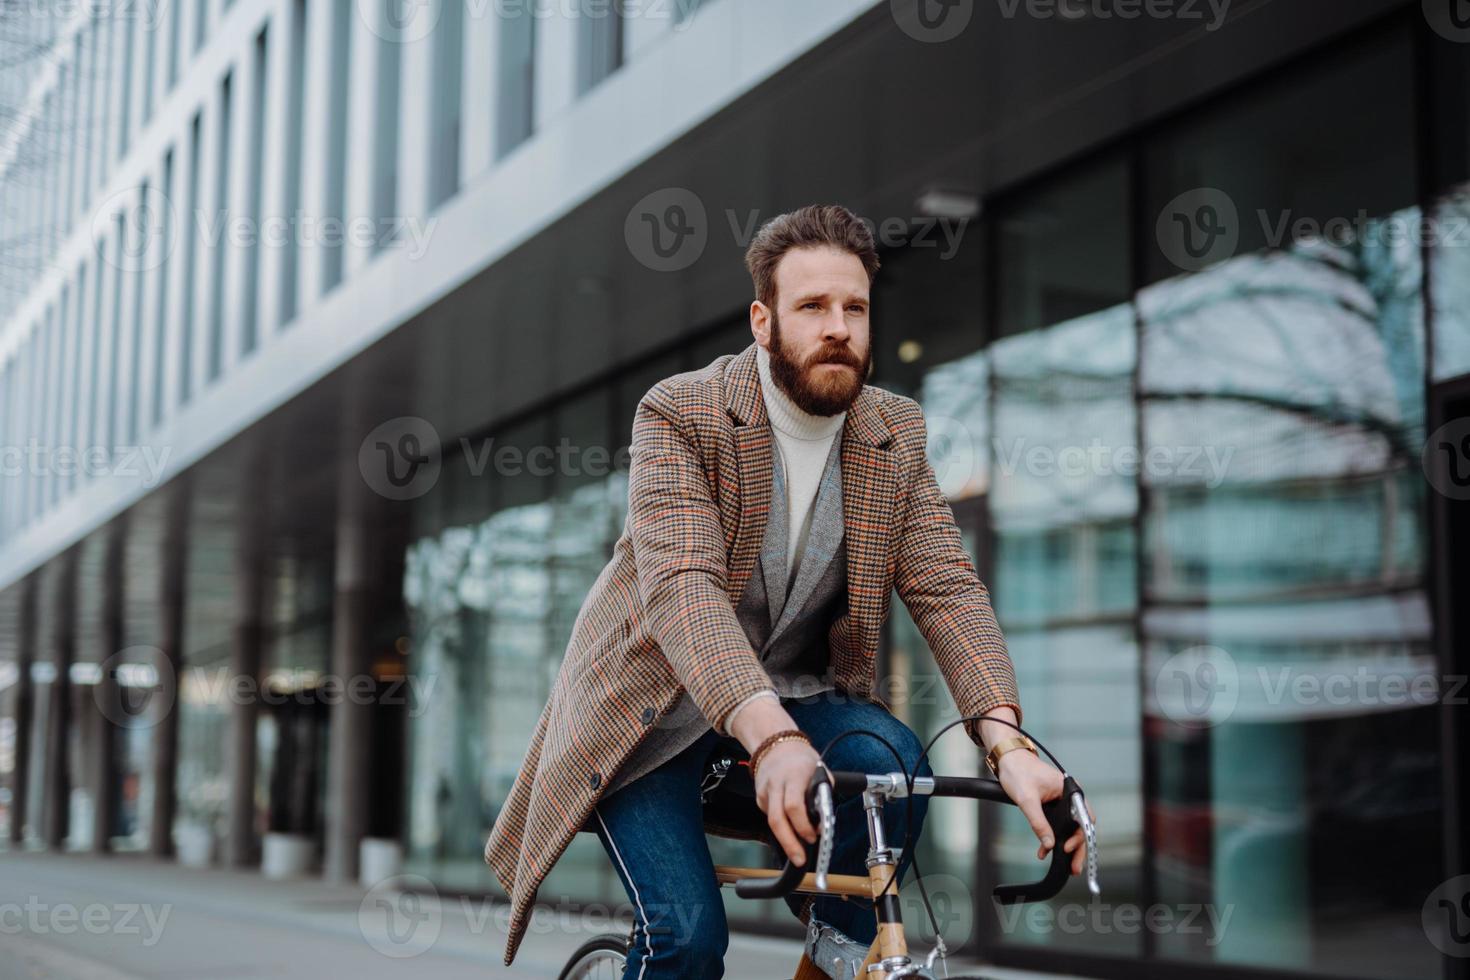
(1089, 835)
(1062, 816)
(827, 819)
(819, 789)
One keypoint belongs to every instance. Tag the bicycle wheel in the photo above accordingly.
(601, 958)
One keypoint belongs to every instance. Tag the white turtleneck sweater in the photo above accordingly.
(803, 440)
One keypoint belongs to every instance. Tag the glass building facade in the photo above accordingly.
(1193, 489)
(1188, 313)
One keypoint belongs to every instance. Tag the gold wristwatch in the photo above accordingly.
(992, 758)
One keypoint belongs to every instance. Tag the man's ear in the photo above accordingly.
(760, 323)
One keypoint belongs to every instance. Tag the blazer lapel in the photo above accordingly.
(822, 540)
(775, 544)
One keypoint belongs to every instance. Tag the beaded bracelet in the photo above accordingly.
(789, 735)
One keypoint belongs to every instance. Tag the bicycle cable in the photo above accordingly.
(908, 831)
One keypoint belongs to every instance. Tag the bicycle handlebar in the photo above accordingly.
(1059, 816)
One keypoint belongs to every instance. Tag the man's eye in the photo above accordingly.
(857, 309)
(811, 306)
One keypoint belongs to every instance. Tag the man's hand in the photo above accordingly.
(1029, 782)
(783, 777)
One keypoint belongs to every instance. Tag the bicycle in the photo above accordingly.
(827, 953)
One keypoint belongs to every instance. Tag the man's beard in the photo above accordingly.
(834, 392)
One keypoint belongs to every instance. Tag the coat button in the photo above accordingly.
(595, 779)
(648, 714)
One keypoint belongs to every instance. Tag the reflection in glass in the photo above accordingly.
(1063, 250)
(1450, 286)
(1288, 635)
(1063, 503)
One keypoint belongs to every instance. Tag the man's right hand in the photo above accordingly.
(784, 774)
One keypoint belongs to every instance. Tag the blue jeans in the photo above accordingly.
(653, 831)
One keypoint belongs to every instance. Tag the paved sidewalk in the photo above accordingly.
(80, 917)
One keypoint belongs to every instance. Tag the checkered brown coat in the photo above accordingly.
(661, 615)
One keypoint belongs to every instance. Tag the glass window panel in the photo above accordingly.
(1063, 503)
(956, 402)
(599, 43)
(1061, 436)
(516, 83)
(928, 302)
(1289, 659)
(1450, 285)
(1062, 250)
(731, 338)
(1293, 151)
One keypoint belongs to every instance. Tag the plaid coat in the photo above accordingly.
(661, 615)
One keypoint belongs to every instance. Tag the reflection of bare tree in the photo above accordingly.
(1327, 339)
(1307, 365)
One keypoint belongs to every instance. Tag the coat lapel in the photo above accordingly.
(869, 486)
(753, 463)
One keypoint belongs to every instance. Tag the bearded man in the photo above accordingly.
(775, 501)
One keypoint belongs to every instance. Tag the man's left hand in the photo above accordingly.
(1030, 782)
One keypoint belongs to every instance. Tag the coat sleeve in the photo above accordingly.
(679, 550)
(938, 583)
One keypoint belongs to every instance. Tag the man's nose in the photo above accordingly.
(834, 327)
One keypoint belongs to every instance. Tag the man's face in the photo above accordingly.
(818, 333)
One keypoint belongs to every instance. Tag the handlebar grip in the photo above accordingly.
(777, 887)
(1059, 817)
(791, 874)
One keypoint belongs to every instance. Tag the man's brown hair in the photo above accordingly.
(813, 226)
